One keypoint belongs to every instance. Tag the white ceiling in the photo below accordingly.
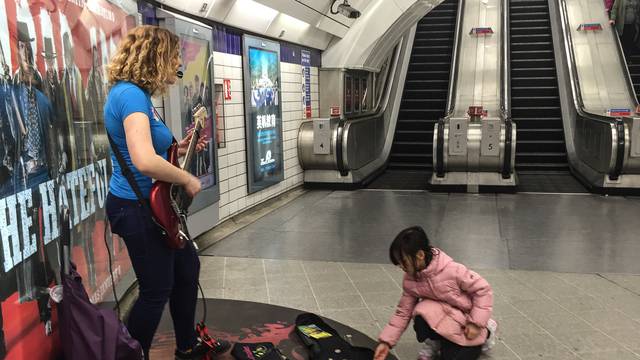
(306, 22)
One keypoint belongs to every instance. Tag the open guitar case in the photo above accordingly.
(325, 343)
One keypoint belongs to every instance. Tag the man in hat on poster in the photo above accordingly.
(35, 114)
(34, 111)
(53, 92)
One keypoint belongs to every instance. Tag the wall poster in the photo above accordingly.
(263, 113)
(305, 60)
(54, 152)
(195, 87)
(219, 99)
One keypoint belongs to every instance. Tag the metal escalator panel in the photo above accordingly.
(535, 102)
(605, 129)
(602, 76)
(425, 92)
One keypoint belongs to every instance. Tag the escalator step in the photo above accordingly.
(535, 103)
(539, 134)
(425, 91)
(528, 2)
(532, 54)
(531, 146)
(529, 23)
(523, 91)
(515, 16)
(532, 63)
(527, 8)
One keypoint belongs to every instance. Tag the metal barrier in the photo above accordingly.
(472, 150)
(603, 144)
(359, 145)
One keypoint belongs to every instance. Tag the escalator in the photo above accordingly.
(424, 100)
(541, 155)
(633, 63)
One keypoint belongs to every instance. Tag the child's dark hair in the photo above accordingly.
(407, 244)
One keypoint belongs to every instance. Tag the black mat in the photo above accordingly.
(244, 321)
(563, 183)
(401, 180)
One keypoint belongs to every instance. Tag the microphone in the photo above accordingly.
(179, 74)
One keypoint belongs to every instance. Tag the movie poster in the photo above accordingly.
(53, 152)
(196, 89)
(263, 113)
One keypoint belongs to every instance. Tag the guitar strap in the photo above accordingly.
(128, 174)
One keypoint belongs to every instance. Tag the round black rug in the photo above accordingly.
(250, 322)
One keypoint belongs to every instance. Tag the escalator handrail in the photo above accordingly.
(620, 141)
(453, 77)
(505, 92)
(573, 72)
(505, 76)
(344, 171)
(616, 123)
(439, 163)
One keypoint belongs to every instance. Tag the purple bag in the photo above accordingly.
(86, 331)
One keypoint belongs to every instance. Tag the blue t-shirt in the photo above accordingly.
(124, 99)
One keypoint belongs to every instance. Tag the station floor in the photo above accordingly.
(564, 268)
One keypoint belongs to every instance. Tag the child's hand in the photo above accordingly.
(471, 331)
(381, 351)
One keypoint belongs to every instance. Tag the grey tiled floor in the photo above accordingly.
(567, 233)
(542, 315)
(560, 265)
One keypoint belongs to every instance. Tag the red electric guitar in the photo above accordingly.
(169, 202)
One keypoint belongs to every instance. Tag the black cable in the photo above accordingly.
(204, 303)
(323, 14)
(113, 282)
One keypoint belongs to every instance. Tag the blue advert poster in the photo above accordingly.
(263, 115)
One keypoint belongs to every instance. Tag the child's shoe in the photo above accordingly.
(492, 326)
(430, 350)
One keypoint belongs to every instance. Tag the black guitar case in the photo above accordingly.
(325, 343)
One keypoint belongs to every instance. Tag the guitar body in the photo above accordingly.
(169, 202)
(164, 207)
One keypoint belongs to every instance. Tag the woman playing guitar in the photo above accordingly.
(145, 64)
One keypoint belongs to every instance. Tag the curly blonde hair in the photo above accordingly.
(148, 57)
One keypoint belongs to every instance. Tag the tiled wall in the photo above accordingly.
(232, 160)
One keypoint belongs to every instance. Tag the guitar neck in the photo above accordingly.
(188, 157)
(199, 115)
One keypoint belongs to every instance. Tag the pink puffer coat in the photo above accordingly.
(448, 296)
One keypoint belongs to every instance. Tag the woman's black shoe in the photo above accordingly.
(200, 350)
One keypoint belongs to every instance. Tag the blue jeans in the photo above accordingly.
(163, 275)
